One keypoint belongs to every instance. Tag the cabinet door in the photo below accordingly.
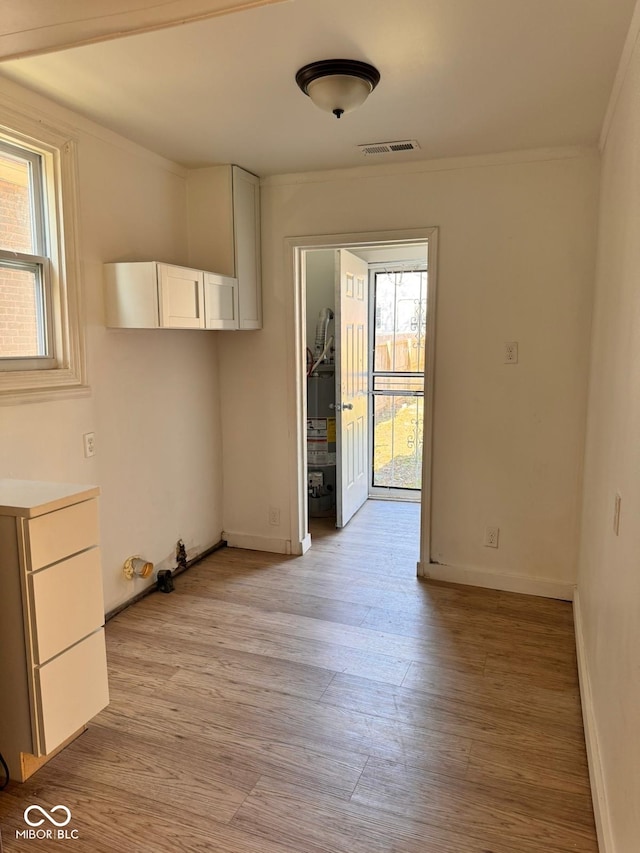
(246, 214)
(220, 301)
(181, 297)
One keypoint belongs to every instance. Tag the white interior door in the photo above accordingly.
(352, 311)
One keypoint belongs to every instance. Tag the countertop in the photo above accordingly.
(30, 498)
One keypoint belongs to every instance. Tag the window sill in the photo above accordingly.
(35, 386)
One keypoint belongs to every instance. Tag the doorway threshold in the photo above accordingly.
(401, 495)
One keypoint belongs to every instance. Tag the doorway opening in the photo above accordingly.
(364, 311)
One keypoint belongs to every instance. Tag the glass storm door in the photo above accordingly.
(397, 382)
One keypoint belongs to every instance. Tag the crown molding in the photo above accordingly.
(505, 158)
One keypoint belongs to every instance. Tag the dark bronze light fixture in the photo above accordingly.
(338, 85)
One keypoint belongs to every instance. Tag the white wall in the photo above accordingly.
(516, 250)
(153, 402)
(609, 571)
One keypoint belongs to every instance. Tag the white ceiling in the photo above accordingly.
(462, 77)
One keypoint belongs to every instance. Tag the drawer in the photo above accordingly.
(60, 534)
(70, 690)
(67, 604)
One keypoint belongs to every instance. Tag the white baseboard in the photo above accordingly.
(257, 543)
(497, 580)
(596, 775)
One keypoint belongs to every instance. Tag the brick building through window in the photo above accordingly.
(20, 299)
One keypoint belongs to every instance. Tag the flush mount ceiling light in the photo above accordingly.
(338, 85)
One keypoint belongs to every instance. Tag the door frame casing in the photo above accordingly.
(296, 322)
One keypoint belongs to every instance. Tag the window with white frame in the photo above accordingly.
(25, 280)
(40, 330)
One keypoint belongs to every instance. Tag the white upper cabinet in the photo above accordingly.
(223, 204)
(150, 295)
(246, 234)
(224, 233)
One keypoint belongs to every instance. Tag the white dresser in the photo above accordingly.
(53, 668)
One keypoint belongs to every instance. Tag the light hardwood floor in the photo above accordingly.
(330, 703)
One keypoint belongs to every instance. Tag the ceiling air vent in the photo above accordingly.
(389, 147)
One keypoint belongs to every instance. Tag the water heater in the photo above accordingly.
(321, 441)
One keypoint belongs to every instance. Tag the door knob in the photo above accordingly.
(347, 406)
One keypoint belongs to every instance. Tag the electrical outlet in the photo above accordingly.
(511, 352)
(89, 439)
(617, 503)
(491, 535)
(274, 516)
